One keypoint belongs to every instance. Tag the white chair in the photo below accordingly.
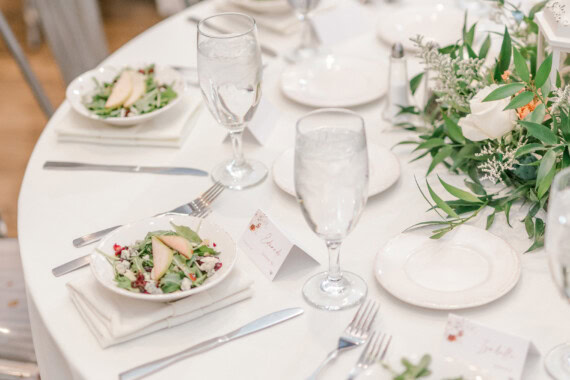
(17, 355)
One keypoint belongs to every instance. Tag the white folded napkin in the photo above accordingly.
(281, 23)
(168, 129)
(113, 318)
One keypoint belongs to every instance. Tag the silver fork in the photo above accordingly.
(355, 333)
(194, 207)
(374, 351)
(199, 207)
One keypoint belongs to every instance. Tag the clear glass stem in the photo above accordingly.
(306, 32)
(236, 137)
(334, 273)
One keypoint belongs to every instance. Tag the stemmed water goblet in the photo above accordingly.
(230, 72)
(309, 43)
(331, 183)
(557, 244)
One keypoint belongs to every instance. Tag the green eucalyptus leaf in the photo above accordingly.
(537, 116)
(439, 157)
(541, 132)
(430, 144)
(441, 203)
(546, 165)
(529, 148)
(525, 171)
(490, 220)
(453, 130)
(566, 158)
(485, 47)
(458, 193)
(529, 226)
(504, 91)
(415, 82)
(520, 100)
(508, 212)
(475, 187)
(543, 71)
(504, 56)
(520, 66)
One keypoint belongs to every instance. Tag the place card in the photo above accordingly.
(263, 122)
(493, 352)
(267, 245)
(343, 22)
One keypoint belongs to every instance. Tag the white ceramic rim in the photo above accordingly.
(414, 300)
(328, 103)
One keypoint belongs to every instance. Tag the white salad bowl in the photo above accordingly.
(82, 88)
(130, 233)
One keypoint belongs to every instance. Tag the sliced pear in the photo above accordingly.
(162, 258)
(139, 87)
(178, 243)
(121, 90)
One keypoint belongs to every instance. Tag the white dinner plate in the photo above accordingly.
(335, 81)
(384, 170)
(263, 6)
(128, 234)
(467, 267)
(81, 89)
(438, 22)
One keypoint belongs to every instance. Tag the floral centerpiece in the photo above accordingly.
(501, 123)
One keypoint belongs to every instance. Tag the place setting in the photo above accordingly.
(445, 297)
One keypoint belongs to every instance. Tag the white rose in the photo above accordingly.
(487, 120)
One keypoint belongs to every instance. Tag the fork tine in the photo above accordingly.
(210, 189)
(353, 325)
(376, 349)
(386, 348)
(213, 195)
(366, 318)
(366, 350)
(372, 317)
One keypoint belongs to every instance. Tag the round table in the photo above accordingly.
(55, 207)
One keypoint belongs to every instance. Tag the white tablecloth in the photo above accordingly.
(56, 207)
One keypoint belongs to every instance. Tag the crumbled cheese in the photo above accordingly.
(146, 258)
(125, 254)
(186, 284)
(122, 266)
(208, 264)
(152, 288)
(130, 275)
(146, 276)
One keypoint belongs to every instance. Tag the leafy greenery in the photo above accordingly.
(413, 371)
(524, 160)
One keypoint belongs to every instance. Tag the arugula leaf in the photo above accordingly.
(187, 232)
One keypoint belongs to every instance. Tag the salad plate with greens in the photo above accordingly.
(164, 258)
(127, 95)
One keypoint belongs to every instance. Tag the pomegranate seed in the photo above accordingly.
(214, 244)
(217, 266)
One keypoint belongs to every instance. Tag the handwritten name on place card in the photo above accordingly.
(266, 244)
(496, 353)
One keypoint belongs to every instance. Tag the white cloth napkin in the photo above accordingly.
(281, 23)
(167, 130)
(113, 318)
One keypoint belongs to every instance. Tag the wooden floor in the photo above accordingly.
(21, 119)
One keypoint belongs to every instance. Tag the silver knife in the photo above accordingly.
(63, 165)
(264, 49)
(259, 324)
(70, 266)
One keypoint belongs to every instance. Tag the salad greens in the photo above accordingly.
(165, 261)
(155, 96)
